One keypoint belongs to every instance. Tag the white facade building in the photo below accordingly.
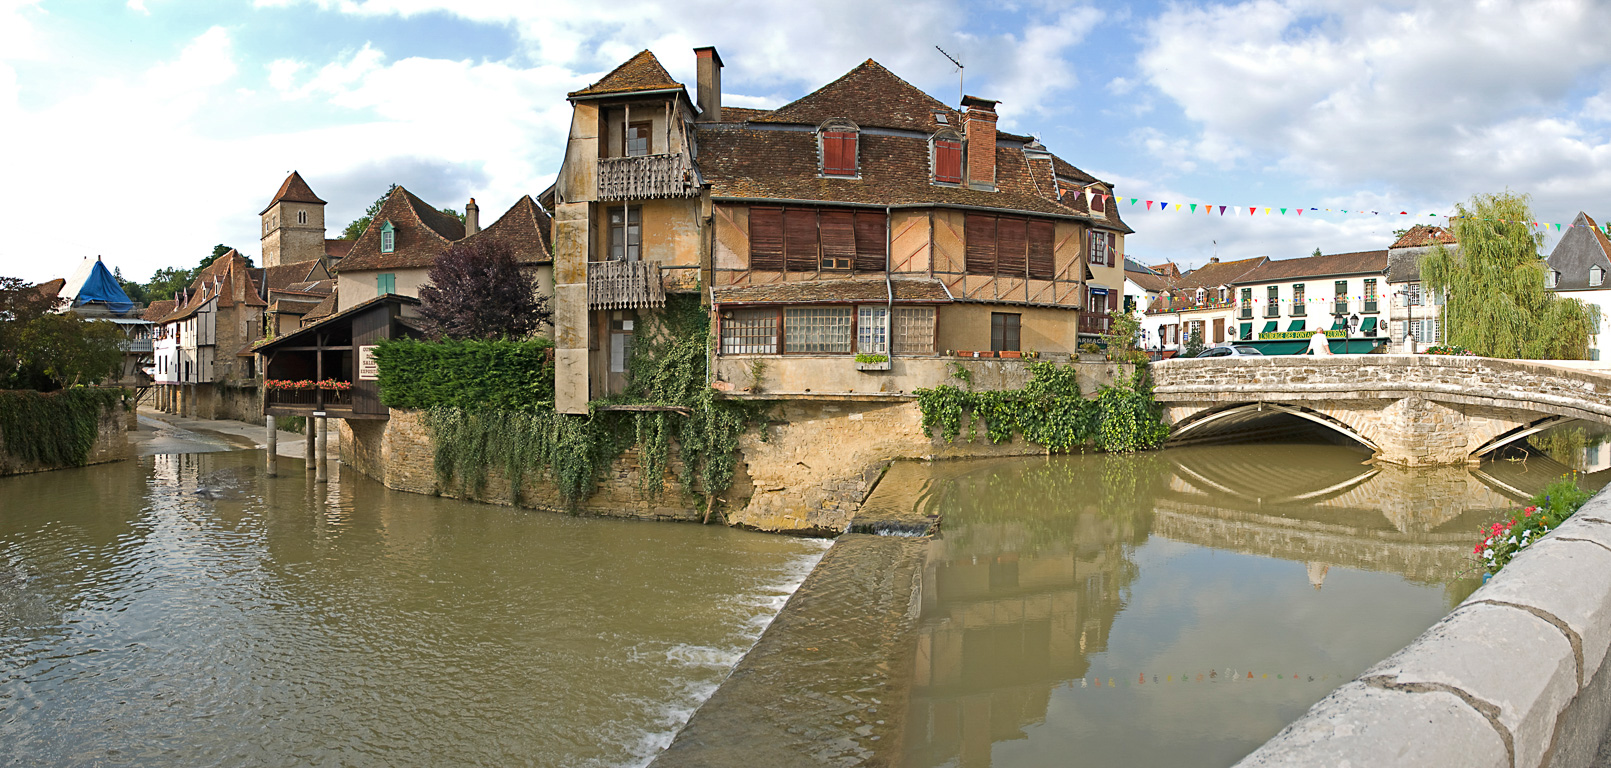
(1288, 300)
(1417, 313)
(1580, 268)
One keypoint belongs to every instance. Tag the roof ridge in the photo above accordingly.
(295, 190)
(642, 72)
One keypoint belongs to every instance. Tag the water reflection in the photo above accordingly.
(1175, 608)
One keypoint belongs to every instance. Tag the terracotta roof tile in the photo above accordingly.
(337, 249)
(639, 73)
(524, 229)
(421, 233)
(158, 310)
(325, 308)
(845, 291)
(1067, 170)
(1423, 235)
(871, 97)
(740, 114)
(293, 190)
(1360, 262)
(276, 278)
(1220, 273)
(52, 288)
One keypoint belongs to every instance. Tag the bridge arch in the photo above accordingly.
(1216, 419)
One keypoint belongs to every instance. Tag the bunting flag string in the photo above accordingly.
(1254, 210)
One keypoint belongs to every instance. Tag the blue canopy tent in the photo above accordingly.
(101, 287)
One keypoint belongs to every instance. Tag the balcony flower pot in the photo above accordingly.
(1009, 355)
(872, 362)
(976, 354)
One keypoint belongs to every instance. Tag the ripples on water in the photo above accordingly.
(270, 622)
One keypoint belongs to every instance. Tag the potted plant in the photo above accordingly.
(1009, 354)
(872, 362)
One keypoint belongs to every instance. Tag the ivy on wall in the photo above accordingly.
(1050, 411)
(53, 429)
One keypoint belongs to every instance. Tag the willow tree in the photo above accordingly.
(1496, 301)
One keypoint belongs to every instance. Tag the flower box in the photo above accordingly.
(976, 354)
(1010, 355)
(880, 366)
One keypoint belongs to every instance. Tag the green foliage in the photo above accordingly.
(1500, 542)
(1050, 411)
(1122, 339)
(55, 429)
(757, 374)
(502, 375)
(357, 226)
(1194, 343)
(1498, 303)
(862, 357)
(43, 350)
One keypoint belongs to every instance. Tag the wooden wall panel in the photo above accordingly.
(910, 251)
(1068, 250)
(732, 237)
(949, 243)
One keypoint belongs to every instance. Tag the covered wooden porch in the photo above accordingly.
(327, 369)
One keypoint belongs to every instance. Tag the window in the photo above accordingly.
(621, 341)
(1247, 303)
(1412, 295)
(1101, 300)
(635, 141)
(1004, 331)
(388, 238)
(819, 330)
(1222, 295)
(809, 239)
(626, 240)
(750, 332)
(872, 330)
(385, 283)
(838, 141)
(1596, 275)
(947, 158)
(1370, 295)
(1340, 302)
(301, 217)
(1551, 278)
(1272, 301)
(914, 330)
(1103, 244)
(1008, 245)
(1098, 201)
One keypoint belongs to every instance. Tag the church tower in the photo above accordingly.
(293, 224)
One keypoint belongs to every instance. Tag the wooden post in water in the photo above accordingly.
(323, 470)
(309, 424)
(273, 448)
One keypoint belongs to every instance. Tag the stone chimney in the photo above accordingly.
(472, 218)
(1213, 259)
(710, 84)
(979, 123)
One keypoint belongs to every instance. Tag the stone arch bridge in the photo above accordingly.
(1416, 410)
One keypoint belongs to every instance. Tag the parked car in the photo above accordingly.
(1233, 351)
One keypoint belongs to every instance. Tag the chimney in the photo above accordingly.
(472, 218)
(710, 84)
(979, 123)
(1213, 259)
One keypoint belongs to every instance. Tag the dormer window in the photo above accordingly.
(1098, 200)
(942, 118)
(946, 157)
(1596, 275)
(838, 142)
(388, 238)
(1551, 278)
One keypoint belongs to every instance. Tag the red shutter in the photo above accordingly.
(1011, 244)
(838, 239)
(980, 257)
(1098, 202)
(1113, 248)
(839, 153)
(872, 239)
(800, 239)
(1041, 264)
(1113, 300)
(766, 239)
(948, 161)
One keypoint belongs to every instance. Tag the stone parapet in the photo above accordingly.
(1515, 676)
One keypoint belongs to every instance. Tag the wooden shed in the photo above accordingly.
(335, 352)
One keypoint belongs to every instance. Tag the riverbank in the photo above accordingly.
(160, 432)
(60, 430)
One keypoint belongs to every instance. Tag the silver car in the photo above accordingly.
(1232, 351)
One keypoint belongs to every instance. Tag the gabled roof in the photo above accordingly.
(1424, 235)
(337, 249)
(740, 114)
(1065, 169)
(1218, 273)
(284, 275)
(228, 277)
(524, 229)
(52, 289)
(324, 309)
(421, 233)
(1326, 265)
(1582, 247)
(639, 73)
(871, 97)
(158, 310)
(320, 317)
(293, 190)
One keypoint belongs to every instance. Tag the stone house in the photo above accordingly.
(1201, 300)
(1415, 312)
(865, 218)
(1281, 304)
(204, 345)
(1578, 268)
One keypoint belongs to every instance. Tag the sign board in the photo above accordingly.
(1300, 335)
(368, 369)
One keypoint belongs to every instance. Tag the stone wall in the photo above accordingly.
(111, 444)
(1514, 676)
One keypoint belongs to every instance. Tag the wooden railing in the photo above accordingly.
(1095, 322)
(645, 177)
(309, 397)
(624, 285)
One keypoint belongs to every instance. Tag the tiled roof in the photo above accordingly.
(421, 233)
(1167, 269)
(293, 190)
(1149, 281)
(746, 163)
(226, 277)
(326, 313)
(52, 288)
(1360, 262)
(1423, 235)
(158, 310)
(1066, 169)
(740, 114)
(324, 308)
(337, 249)
(833, 292)
(871, 97)
(311, 288)
(277, 278)
(1582, 247)
(1217, 273)
(639, 73)
(524, 229)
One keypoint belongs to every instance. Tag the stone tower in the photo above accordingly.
(293, 224)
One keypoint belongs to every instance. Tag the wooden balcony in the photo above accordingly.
(646, 177)
(624, 284)
(309, 398)
(1095, 323)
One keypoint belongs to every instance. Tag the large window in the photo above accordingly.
(626, 234)
(635, 142)
(818, 330)
(914, 330)
(1247, 303)
(1340, 302)
(750, 332)
(838, 142)
(872, 330)
(1004, 327)
(812, 239)
(1272, 301)
(1299, 307)
(1009, 245)
(1103, 248)
(947, 158)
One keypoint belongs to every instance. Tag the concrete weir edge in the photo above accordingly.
(1515, 676)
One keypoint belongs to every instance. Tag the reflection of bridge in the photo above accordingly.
(1409, 409)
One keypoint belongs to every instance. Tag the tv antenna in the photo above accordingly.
(960, 72)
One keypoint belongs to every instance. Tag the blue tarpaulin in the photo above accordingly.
(102, 287)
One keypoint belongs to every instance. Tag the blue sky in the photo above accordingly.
(148, 130)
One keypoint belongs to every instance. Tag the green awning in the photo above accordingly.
(1297, 325)
(1280, 347)
(1339, 325)
(1247, 331)
(1338, 346)
(1355, 346)
(1269, 327)
(1369, 325)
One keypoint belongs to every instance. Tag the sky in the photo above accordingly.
(146, 131)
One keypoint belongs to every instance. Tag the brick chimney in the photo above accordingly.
(710, 84)
(472, 218)
(979, 123)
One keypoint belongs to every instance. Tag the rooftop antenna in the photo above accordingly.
(960, 73)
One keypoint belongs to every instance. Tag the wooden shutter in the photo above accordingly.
(1113, 300)
(980, 255)
(1041, 264)
(872, 239)
(1011, 243)
(948, 161)
(839, 153)
(838, 239)
(800, 239)
(766, 239)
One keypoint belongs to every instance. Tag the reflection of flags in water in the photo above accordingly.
(1317, 573)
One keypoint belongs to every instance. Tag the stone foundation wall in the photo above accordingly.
(111, 444)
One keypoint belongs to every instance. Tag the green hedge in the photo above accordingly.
(475, 374)
(54, 429)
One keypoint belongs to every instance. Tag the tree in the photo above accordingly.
(1316, 253)
(1497, 303)
(1194, 343)
(477, 291)
(166, 283)
(40, 349)
(135, 291)
(1123, 338)
(358, 225)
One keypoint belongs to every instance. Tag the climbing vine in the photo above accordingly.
(56, 429)
(1050, 411)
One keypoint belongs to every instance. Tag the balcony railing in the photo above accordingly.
(624, 285)
(1272, 310)
(645, 177)
(1370, 306)
(1339, 307)
(339, 398)
(1095, 322)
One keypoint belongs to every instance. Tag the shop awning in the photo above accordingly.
(1369, 325)
(1269, 327)
(1280, 347)
(1339, 325)
(1338, 346)
(1297, 325)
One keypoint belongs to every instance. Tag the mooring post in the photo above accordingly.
(323, 471)
(309, 424)
(273, 448)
